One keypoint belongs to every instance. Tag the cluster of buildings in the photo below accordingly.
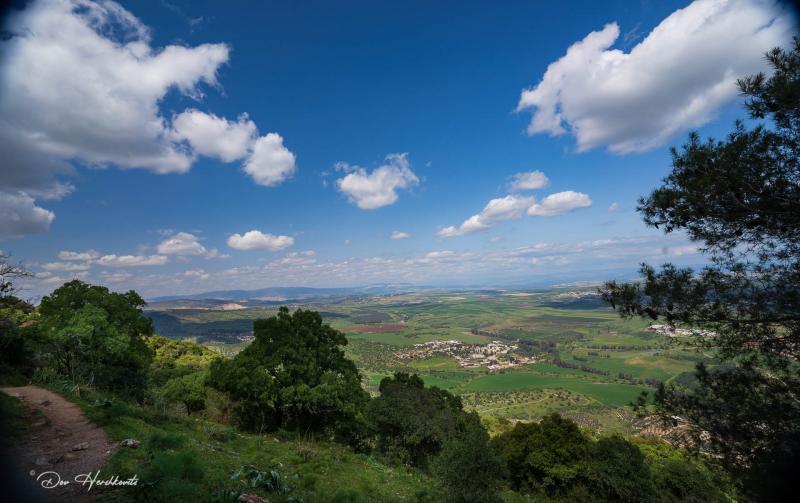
(670, 331)
(494, 356)
(577, 294)
(246, 337)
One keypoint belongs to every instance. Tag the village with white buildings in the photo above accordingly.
(494, 356)
(671, 331)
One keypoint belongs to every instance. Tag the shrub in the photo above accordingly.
(467, 469)
(96, 337)
(618, 471)
(681, 477)
(413, 422)
(294, 375)
(549, 456)
(171, 476)
(189, 390)
(105, 411)
(164, 441)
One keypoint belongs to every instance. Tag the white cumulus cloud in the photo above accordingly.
(214, 136)
(71, 255)
(186, 243)
(20, 216)
(497, 210)
(531, 180)
(270, 162)
(560, 203)
(400, 235)
(66, 266)
(131, 260)
(82, 84)
(257, 240)
(378, 188)
(675, 78)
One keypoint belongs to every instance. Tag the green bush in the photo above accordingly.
(294, 375)
(679, 476)
(413, 422)
(170, 477)
(96, 337)
(618, 471)
(175, 358)
(549, 457)
(164, 441)
(467, 469)
(189, 390)
(17, 331)
(105, 411)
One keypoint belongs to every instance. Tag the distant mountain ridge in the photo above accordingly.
(290, 293)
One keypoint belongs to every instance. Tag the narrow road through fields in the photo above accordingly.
(59, 443)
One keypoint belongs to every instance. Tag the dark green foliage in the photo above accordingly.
(554, 459)
(250, 478)
(17, 328)
(164, 441)
(467, 469)
(741, 199)
(427, 426)
(294, 375)
(549, 457)
(412, 422)
(173, 358)
(97, 337)
(171, 476)
(618, 472)
(16, 355)
(104, 411)
(346, 496)
(681, 477)
(11, 421)
(190, 390)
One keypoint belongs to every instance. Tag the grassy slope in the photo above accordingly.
(317, 470)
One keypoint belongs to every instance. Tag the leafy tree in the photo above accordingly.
(679, 476)
(17, 331)
(618, 472)
(740, 198)
(413, 422)
(467, 469)
(174, 358)
(97, 337)
(293, 375)
(16, 320)
(189, 389)
(550, 456)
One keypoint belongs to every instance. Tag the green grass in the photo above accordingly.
(436, 363)
(11, 418)
(316, 469)
(610, 394)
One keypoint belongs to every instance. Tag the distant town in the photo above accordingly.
(494, 356)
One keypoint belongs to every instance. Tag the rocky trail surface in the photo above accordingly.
(59, 444)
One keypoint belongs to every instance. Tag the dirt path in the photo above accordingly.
(59, 439)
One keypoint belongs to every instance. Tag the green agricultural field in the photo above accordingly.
(590, 363)
(603, 392)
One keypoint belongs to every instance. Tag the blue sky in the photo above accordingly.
(138, 166)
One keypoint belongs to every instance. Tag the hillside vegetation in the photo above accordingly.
(287, 419)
